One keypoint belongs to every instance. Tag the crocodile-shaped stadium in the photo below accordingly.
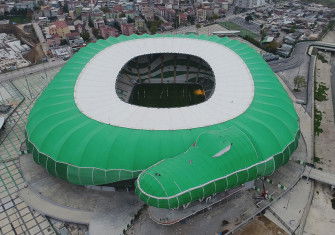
(127, 108)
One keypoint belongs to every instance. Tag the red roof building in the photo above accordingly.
(127, 29)
(107, 32)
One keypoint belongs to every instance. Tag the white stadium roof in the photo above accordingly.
(95, 94)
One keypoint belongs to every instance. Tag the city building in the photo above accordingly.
(11, 53)
(201, 15)
(27, 5)
(127, 29)
(250, 3)
(139, 23)
(183, 19)
(59, 28)
(108, 31)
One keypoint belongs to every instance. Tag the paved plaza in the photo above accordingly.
(15, 215)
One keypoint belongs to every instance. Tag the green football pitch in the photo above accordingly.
(165, 95)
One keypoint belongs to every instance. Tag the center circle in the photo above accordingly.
(165, 80)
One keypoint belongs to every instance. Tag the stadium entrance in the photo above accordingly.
(165, 80)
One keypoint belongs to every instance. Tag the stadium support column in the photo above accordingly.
(175, 68)
(138, 70)
(149, 70)
(187, 68)
(162, 68)
(198, 75)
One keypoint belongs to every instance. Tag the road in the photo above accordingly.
(298, 55)
(332, 79)
(31, 69)
(295, 60)
(41, 38)
(319, 175)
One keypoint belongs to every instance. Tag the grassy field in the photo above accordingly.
(165, 95)
(19, 19)
(243, 32)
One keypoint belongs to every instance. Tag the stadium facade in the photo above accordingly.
(99, 121)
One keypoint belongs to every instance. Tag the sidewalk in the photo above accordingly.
(42, 205)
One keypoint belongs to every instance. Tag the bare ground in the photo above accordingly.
(261, 225)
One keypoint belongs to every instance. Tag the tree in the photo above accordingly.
(293, 28)
(248, 18)
(176, 22)
(63, 42)
(85, 35)
(153, 28)
(252, 40)
(215, 17)
(299, 82)
(272, 46)
(40, 3)
(104, 9)
(130, 20)
(263, 33)
(90, 23)
(66, 7)
(198, 26)
(95, 32)
(191, 19)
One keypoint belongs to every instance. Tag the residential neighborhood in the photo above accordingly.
(64, 26)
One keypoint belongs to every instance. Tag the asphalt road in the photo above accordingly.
(295, 60)
(16, 74)
(332, 79)
(297, 56)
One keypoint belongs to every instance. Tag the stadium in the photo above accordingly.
(183, 116)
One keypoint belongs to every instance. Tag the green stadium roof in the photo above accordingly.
(175, 164)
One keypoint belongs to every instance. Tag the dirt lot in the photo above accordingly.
(261, 225)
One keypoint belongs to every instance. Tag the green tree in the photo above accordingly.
(299, 82)
(191, 19)
(85, 35)
(66, 7)
(272, 46)
(40, 3)
(95, 32)
(90, 22)
(293, 28)
(130, 20)
(63, 42)
(248, 18)
(104, 9)
(263, 33)
(153, 28)
(320, 91)
(215, 17)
